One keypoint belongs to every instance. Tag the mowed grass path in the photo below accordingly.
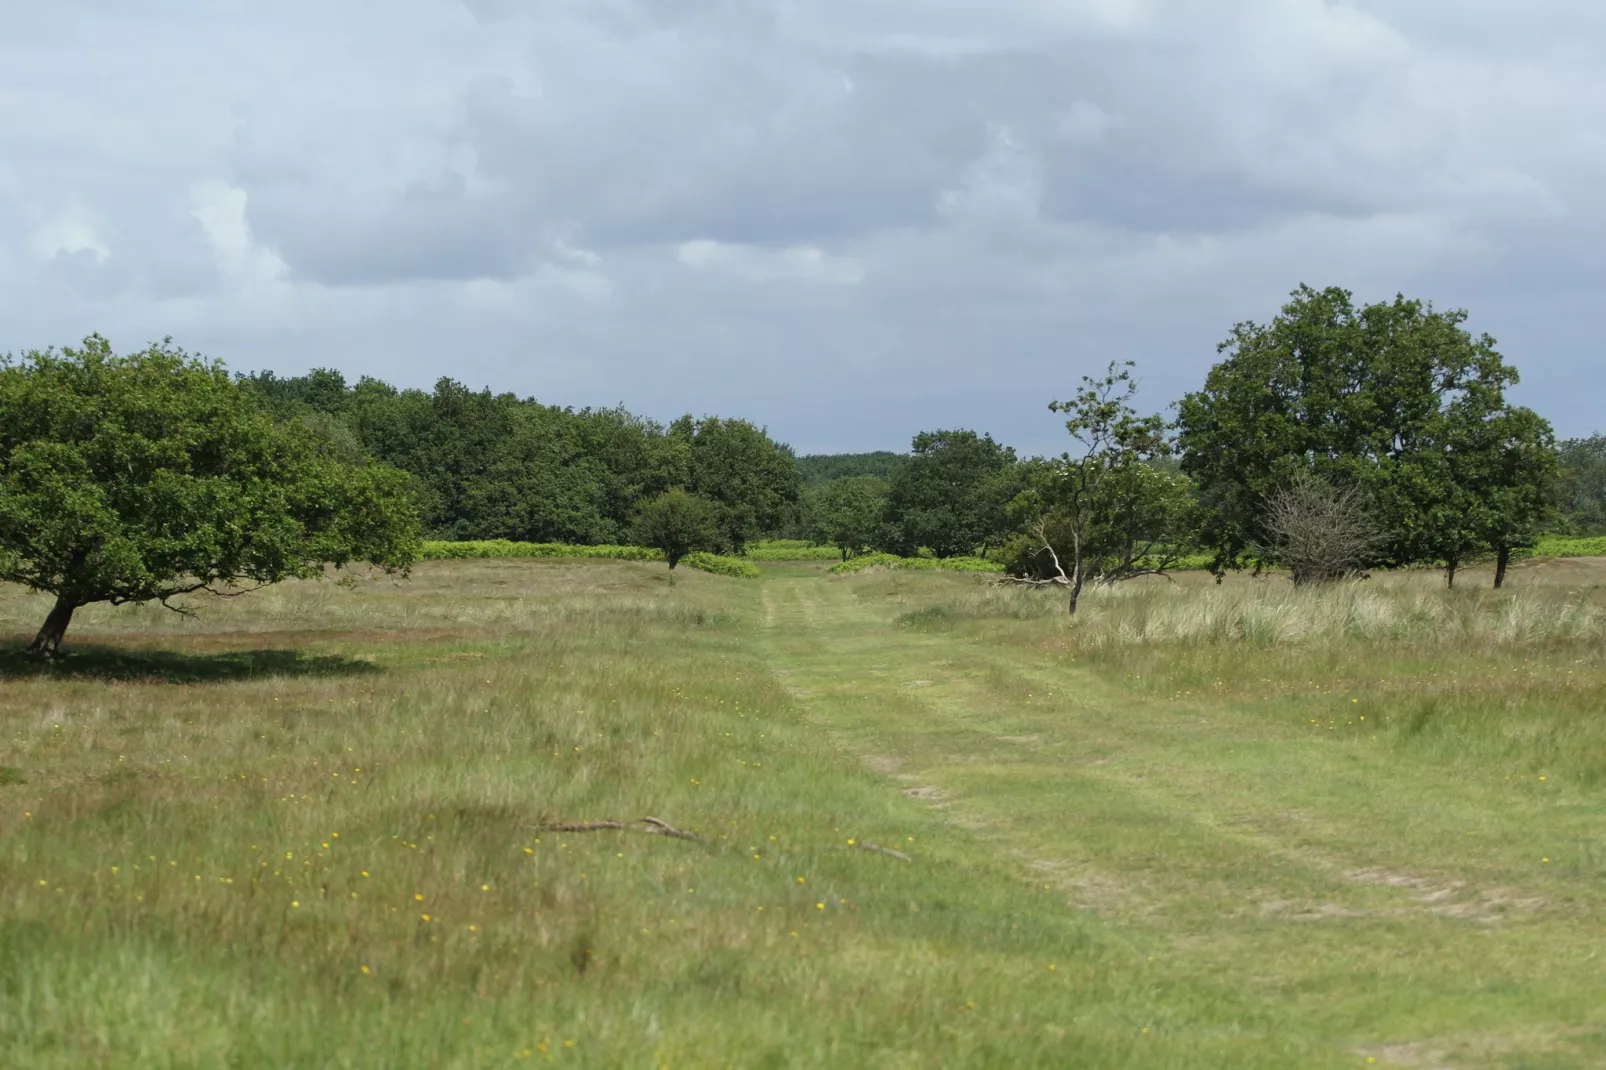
(303, 831)
(1290, 880)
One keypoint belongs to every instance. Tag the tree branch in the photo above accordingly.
(651, 825)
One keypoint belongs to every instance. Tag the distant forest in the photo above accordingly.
(1396, 428)
(487, 465)
(818, 468)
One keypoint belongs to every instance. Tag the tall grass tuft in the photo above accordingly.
(1403, 609)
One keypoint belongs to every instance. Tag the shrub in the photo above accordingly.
(678, 523)
(721, 566)
(451, 551)
(1319, 532)
(1570, 546)
(789, 550)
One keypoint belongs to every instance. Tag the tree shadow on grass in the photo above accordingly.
(169, 667)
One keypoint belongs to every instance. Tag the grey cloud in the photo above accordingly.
(958, 206)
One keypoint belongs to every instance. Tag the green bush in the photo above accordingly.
(703, 562)
(946, 564)
(1570, 546)
(790, 550)
(452, 551)
(720, 566)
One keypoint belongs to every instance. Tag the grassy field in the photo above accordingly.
(1204, 826)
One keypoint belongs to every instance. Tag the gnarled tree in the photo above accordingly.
(140, 478)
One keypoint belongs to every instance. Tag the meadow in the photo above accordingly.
(929, 821)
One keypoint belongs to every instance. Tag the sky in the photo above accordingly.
(846, 220)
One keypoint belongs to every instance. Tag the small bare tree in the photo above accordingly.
(1320, 532)
(1106, 512)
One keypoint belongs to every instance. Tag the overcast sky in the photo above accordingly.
(848, 220)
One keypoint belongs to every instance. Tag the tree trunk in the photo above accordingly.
(1449, 571)
(47, 643)
(1502, 558)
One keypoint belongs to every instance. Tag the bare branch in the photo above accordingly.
(864, 845)
(664, 828)
(1040, 530)
(651, 825)
(1321, 533)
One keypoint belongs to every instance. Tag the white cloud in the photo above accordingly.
(70, 230)
(1002, 188)
(752, 263)
(220, 209)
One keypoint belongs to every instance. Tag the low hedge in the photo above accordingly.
(945, 564)
(790, 550)
(456, 551)
(1570, 546)
(721, 566)
(435, 550)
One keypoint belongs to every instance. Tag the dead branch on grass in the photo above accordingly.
(652, 826)
(865, 845)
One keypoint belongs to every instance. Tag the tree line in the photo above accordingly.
(497, 466)
(1333, 439)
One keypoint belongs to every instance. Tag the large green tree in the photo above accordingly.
(1396, 400)
(1489, 486)
(1583, 484)
(143, 477)
(846, 512)
(753, 479)
(952, 495)
(678, 523)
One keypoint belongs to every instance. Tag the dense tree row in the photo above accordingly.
(1583, 485)
(1393, 409)
(1333, 439)
(487, 465)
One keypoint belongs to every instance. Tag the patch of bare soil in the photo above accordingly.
(1088, 890)
(1436, 896)
(1418, 1056)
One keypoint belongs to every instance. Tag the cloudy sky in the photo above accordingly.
(846, 219)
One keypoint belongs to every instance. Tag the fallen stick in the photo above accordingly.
(865, 845)
(581, 826)
(664, 828)
(650, 825)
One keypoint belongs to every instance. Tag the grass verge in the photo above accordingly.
(313, 827)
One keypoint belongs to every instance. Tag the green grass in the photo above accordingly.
(301, 829)
(881, 562)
